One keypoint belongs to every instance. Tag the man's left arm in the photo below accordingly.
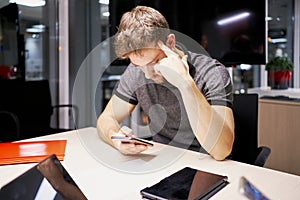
(213, 125)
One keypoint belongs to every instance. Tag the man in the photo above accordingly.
(187, 96)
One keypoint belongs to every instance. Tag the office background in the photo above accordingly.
(60, 35)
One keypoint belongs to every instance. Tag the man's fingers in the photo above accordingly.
(159, 68)
(166, 49)
(132, 149)
(127, 131)
(184, 60)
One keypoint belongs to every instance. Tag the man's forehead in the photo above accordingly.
(143, 57)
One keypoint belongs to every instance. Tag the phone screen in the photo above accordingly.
(132, 139)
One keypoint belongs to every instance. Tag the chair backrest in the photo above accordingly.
(10, 126)
(31, 102)
(36, 108)
(245, 110)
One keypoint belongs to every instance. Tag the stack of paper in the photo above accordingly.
(28, 152)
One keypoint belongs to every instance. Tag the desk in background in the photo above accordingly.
(279, 127)
(267, 91)
(103, 173)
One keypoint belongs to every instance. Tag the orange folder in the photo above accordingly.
(29, 152)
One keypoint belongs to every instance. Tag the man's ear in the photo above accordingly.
(171, 41)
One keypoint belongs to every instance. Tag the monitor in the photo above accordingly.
(232, 31)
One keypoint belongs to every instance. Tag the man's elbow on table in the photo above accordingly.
(221, 152)
(221, 156)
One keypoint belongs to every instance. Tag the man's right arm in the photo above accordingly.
(108, 123)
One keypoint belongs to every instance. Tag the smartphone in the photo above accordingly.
(251, 191)
(132, 139)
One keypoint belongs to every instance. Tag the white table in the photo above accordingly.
(267, 91)
(103, 173)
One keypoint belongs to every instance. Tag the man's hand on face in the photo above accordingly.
(173, 67)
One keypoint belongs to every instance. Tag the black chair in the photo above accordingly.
(37, 110)
(30, 102)
(245, 148)
(10, 128)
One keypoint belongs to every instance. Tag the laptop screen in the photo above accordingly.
(48, 180)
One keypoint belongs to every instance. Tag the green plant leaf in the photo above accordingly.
(280, 64)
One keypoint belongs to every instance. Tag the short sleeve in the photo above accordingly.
(213, 79)
(126, 87)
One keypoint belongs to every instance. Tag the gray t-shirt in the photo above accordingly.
(163, 104)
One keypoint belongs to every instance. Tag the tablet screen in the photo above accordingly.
(187, 183)
(48, 180)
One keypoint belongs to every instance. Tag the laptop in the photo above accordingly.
(187, 183)
(48, 180)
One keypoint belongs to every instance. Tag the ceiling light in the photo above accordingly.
(34, 30)
(106, 14)
(245, 67)
(39, 28)
(233, 18)
(30, 3)
(106, 2)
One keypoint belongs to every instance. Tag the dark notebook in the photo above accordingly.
(47, 180)
(187, 183)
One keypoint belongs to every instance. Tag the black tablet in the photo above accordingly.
(46, 180)
(187, 183)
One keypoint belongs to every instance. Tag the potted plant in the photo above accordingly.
(279, 72)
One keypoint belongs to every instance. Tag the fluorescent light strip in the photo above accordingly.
(278, 40)
(233, 18)
(30, 3)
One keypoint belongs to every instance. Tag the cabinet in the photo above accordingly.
(279, 129)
